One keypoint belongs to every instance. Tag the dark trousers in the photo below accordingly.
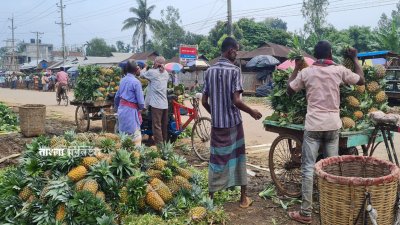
(159, 125)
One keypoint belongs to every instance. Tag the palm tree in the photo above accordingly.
(141, 21)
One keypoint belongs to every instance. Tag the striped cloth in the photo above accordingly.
(227, 166)
(220, 82)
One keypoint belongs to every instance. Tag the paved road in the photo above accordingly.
(254, 132)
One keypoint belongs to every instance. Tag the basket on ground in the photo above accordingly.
(343, 182)
(32, 119)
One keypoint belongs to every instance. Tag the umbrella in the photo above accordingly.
(173, 67)
(198, 65)
(263, 61)
(291, 63)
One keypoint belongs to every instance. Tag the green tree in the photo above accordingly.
(99, 47)
(315, 12)
(275, 23)
(361, 38)
(169, 35)
(121, 47)
(140, 22)
(390, 39)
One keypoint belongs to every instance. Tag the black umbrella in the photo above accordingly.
(263, 61)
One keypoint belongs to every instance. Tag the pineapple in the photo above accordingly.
(77, 173)
(111, 136)
(184, 173)
(81, 138)
(182, 182)
(136, 155)
(353, 101)
(121, 164)
(107, 145)
(101, 195)
(161, 189)
(167, 174)
(360, 89)
(297, 54)
(173, 186)
(79, 185)
(60, 214)
(91, 136)
(142, 203)
(373, 109)
(47, 174)
(348, 123)
(358, 114)
(58, 142)
(154, 200)
(98, 141)
(31, 198)
(154, 173)
(380, 97)
(197, 214)
(159, 164)
(91, 186)
(373, 86)
(380, 71)
(89, 161)
(25, 193)
(347, 61)
(123, 194)
(43, 193)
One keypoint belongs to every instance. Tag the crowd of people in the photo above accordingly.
(42, 81)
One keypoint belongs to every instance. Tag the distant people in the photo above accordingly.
(62, 81)
(27, 81)
(2, 81)
(14, 80)
(45, 82)
(157, 99)
(52, 82)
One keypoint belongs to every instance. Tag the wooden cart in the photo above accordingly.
(87, 111)
(284, 157)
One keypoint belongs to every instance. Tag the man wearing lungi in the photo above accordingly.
(129, 101)
(322, 82)
(222, 91)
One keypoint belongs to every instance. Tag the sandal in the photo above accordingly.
(296, 216)
(249, 203)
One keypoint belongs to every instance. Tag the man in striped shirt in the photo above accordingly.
(222, 91)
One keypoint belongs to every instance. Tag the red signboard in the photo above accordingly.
(188, 51)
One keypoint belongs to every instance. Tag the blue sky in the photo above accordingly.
(103, 18)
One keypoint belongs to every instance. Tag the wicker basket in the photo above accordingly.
(32, 120)
(343, 182)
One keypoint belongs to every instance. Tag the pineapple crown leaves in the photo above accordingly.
(136, 188)
(10, 206)
(169, 211)
(167, 174)
(121, 164)
(105, 220)
(70, 135)
(107, 145)
(64, 163)
(13, 181)
(44, 213)
(86, 208)
(207, 203)
(102, 173)
(167, 149)
(59, 190)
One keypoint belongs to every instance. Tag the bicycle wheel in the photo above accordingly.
(201, 137)
(82, 119)
(285, 165)
(66, 100)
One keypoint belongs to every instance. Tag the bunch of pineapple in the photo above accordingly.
(109, 79)
(359, 100)
(119, 180)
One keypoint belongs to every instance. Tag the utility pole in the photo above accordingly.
(12, 65)
(230, 28)
(37, 46)
(63, 24)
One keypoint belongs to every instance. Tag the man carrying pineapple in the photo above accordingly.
(321, 81)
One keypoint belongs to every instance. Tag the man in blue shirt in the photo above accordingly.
(129, 101)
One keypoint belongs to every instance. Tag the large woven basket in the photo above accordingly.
(32, 119)
(343, 182)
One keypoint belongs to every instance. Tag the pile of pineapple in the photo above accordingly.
(110, 78)
(356, 101)
(359, 100)
(96, 83)
(116, 181)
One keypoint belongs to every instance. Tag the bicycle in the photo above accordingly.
(201, 131)
(63, 96)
